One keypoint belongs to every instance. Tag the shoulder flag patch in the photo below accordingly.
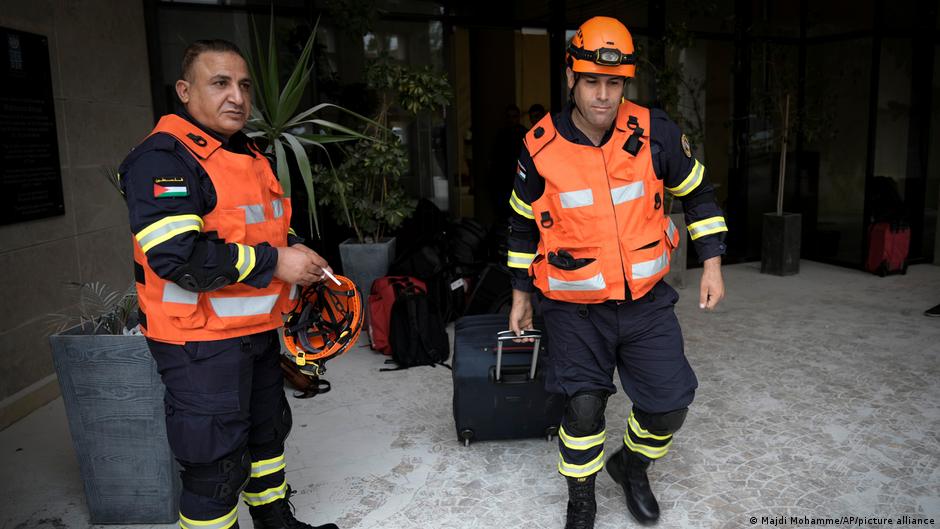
(520, 171)
(169, 187)
(686, 148)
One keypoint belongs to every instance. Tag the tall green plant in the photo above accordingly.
(369, 193)
(286, 131)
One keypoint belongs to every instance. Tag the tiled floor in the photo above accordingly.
(819, 397)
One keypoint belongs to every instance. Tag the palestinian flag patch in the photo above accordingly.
(169, 187)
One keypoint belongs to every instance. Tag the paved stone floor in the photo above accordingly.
(819, 397)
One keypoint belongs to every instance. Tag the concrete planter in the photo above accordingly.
(677, 264)
(113, 398)
(780, 244)
(363, 263)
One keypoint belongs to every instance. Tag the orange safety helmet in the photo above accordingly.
(324, 324)
(602, 46)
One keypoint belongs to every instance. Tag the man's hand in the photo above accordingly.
(301, 266)
(712, 288)
(317, 259)
(520, 316)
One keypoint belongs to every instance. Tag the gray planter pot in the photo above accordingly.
(364, 263)
(780, 244)
(113, 398)
(677, 264)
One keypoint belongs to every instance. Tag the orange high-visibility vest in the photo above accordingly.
(604, 207)
(250, 209)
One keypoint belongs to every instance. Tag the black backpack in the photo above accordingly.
(416, 332)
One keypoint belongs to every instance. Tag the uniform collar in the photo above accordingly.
(566, 127)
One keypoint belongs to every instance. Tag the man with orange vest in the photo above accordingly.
(216, 265)
(590, 235)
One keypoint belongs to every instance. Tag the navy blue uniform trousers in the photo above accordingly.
(642, 340)
(225, 412)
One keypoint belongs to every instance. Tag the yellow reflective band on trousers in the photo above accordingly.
(707, 227)
(222, 522)
(581, 443)
(580, 471)
(246, 260)
(641, 441)
(267, 466)
(691, 182)
(167, 228)
(519, 259)
(520, 207)
(266, 496)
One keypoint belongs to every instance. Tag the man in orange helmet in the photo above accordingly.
(589, 234)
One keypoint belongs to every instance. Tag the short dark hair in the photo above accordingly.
(197, 48)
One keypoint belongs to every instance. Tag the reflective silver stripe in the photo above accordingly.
(266, 496)
(162, 231)
(576, 199)
(267, 466)
(707, 227)
(691, 182)
(520, 260)
(253, 213)
(222, 522)
(650, 268)
(293, 292)
(521, 207)
(278, 207)
(581, 443)
(628, 192)
(243, 306)
(671, 231)
(173, 293)
(580, 471)
(594, 283)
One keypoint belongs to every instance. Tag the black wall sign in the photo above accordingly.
(30, 176)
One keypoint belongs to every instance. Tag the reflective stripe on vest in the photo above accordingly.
(173, 293)
(671, 232)
(593, 283)
(243, 306)
(650, 268)
(576, 199)
(278, 208)
(254, 213)
(627, 193)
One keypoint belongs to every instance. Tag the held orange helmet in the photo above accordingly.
(602, 46)
(324, 324)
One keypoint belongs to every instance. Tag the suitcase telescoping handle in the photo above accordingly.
(504, 336)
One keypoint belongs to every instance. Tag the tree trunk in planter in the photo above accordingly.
(113, 399)
(677, 264)
(363, 263)
(780, 244)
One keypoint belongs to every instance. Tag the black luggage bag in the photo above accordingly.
(499, 385)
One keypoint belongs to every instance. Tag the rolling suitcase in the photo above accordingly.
(888, 245)
(499, 388)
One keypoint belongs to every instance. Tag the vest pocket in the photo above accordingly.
(575, 277)
(182, 307)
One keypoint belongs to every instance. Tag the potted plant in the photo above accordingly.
(368, 196)
(286, 133)
(781, 235)
(113, 400)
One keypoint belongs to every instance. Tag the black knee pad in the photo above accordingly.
(283, 421)
(584, 413)
(223, 479)
(661, 423)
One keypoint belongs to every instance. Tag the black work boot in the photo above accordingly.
(279, 514)
(581, 503)
(629, 470)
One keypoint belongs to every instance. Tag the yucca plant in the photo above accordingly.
(100, 309)
(285, 131)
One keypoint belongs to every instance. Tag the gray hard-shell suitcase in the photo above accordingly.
(499, 385)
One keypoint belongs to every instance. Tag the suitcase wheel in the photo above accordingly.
(465, 436)
(550, 433)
